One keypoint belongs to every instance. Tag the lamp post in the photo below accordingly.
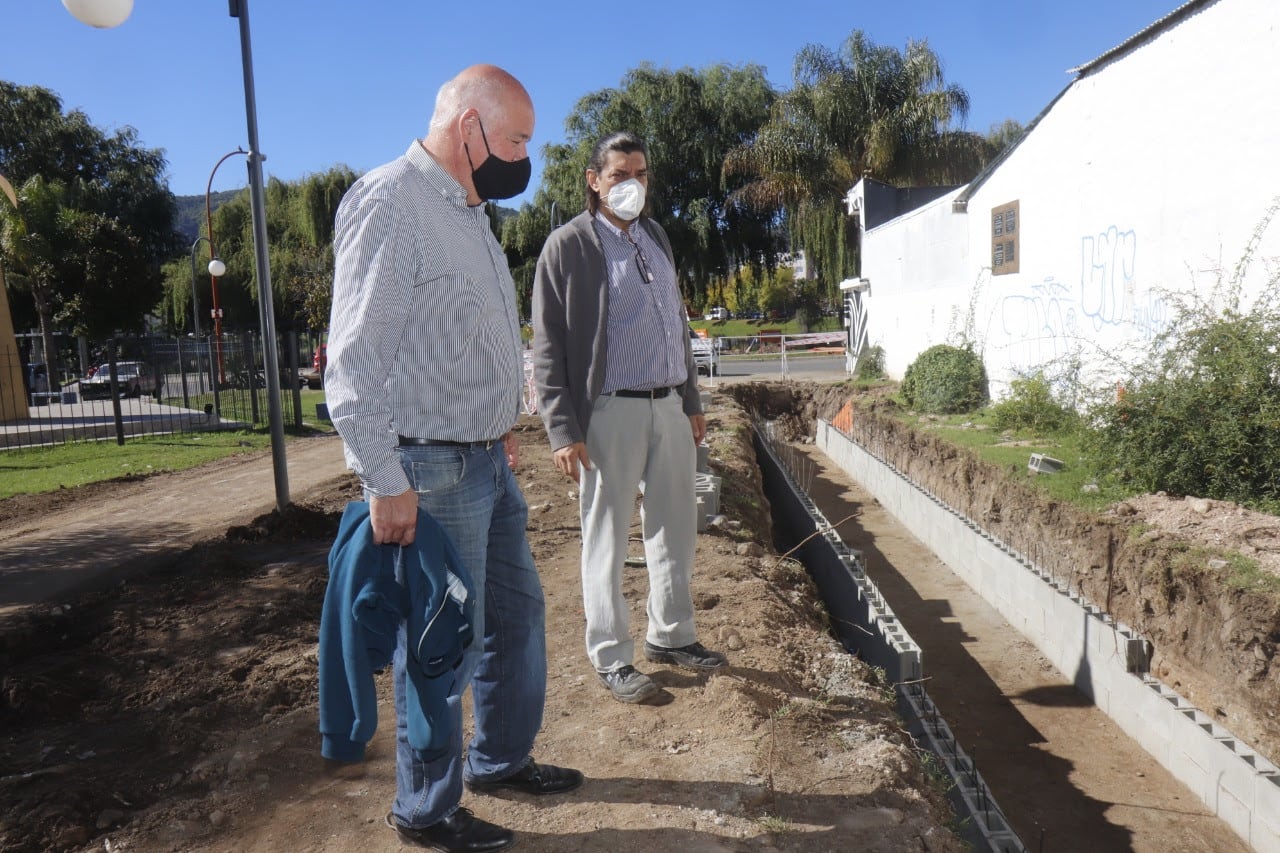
(111, 13)
(216, 272)
(216, 268)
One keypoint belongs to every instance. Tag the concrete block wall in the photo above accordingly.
(1105, 659)
(867, 625)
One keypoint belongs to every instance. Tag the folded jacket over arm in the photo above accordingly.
(364, 605)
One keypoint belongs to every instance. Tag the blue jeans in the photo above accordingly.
(474, 496)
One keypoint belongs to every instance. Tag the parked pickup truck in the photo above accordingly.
(706, 355)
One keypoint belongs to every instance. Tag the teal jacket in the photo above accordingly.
(364, 605)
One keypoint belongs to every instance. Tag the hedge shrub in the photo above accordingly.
(945, 380)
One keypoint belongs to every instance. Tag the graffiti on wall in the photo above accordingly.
(1041, 325)
(1050, 321)
(1108, 291)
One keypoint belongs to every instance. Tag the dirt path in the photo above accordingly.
(106, 531)
(177, 711)
(1059, 767)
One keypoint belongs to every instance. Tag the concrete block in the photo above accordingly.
(1041, 464)
(704, 458)
(1264, 829)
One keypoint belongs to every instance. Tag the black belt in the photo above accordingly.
(407, 441)
(650, 394)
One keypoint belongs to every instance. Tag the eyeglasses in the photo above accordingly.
(646, 272)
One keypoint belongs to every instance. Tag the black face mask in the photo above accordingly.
(498, 178)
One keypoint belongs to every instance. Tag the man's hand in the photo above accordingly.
(394, 519)
(568, 458)
(511, 444)
(699, 425)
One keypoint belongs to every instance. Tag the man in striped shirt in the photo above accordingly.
(423, 384)
(618, 391)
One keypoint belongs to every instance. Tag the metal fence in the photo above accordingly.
(146, 386)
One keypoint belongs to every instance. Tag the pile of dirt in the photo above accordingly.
(1168, 567)
(177, 710)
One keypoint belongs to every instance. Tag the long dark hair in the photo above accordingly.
(624, 142)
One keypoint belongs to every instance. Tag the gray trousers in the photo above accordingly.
(644, 445)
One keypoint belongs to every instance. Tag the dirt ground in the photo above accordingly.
(176, 710)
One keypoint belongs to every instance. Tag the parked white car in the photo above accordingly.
(717, 313)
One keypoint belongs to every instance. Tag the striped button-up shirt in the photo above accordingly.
(647, 325)
(424, 339)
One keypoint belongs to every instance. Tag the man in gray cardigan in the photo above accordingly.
(618, 392)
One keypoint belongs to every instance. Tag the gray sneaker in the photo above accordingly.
(692, 656)
(629, 685)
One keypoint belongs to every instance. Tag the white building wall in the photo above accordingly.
(910, 263)
(1150, 174)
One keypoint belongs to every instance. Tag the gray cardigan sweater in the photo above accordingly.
(570, 329)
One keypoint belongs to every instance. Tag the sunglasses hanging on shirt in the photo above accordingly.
(646, 272)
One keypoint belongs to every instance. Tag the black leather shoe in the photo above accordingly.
(692, 656)
(533, 778)
(460, 832)
(627, 684)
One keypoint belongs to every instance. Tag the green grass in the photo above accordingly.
(236, 406)
(1013, 450)
(47, 469)
(748, 328)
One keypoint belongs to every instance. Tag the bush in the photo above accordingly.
(870, 364)
(1204, 417)
(945, 380)
(1031, 406)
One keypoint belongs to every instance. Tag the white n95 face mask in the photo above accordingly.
(626, 199)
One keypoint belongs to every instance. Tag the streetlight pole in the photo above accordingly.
(216, 310)
(195, 309)
(111, 13)
(216, 268)
(239, 9)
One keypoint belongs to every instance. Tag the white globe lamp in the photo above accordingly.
(103, 14)
(217, 268)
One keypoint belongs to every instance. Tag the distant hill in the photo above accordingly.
(190, 219)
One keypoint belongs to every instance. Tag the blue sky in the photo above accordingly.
(354, 82)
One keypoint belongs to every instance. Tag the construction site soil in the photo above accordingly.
(176, 709)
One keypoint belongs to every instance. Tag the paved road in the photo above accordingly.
(91, 543)
(769, 368)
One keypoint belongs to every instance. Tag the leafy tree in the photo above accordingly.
(864, 109)
(300, 217)
(689, 120)
(31, 237)
(95, 218)
(1004, 134)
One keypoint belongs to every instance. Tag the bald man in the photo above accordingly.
(423, 384)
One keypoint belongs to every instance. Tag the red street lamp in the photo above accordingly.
(216, 266)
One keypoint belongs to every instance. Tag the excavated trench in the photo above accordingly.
(1039, 766)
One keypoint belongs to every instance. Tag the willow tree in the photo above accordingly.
(690, 120)
(864, 109)
(300, 216)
